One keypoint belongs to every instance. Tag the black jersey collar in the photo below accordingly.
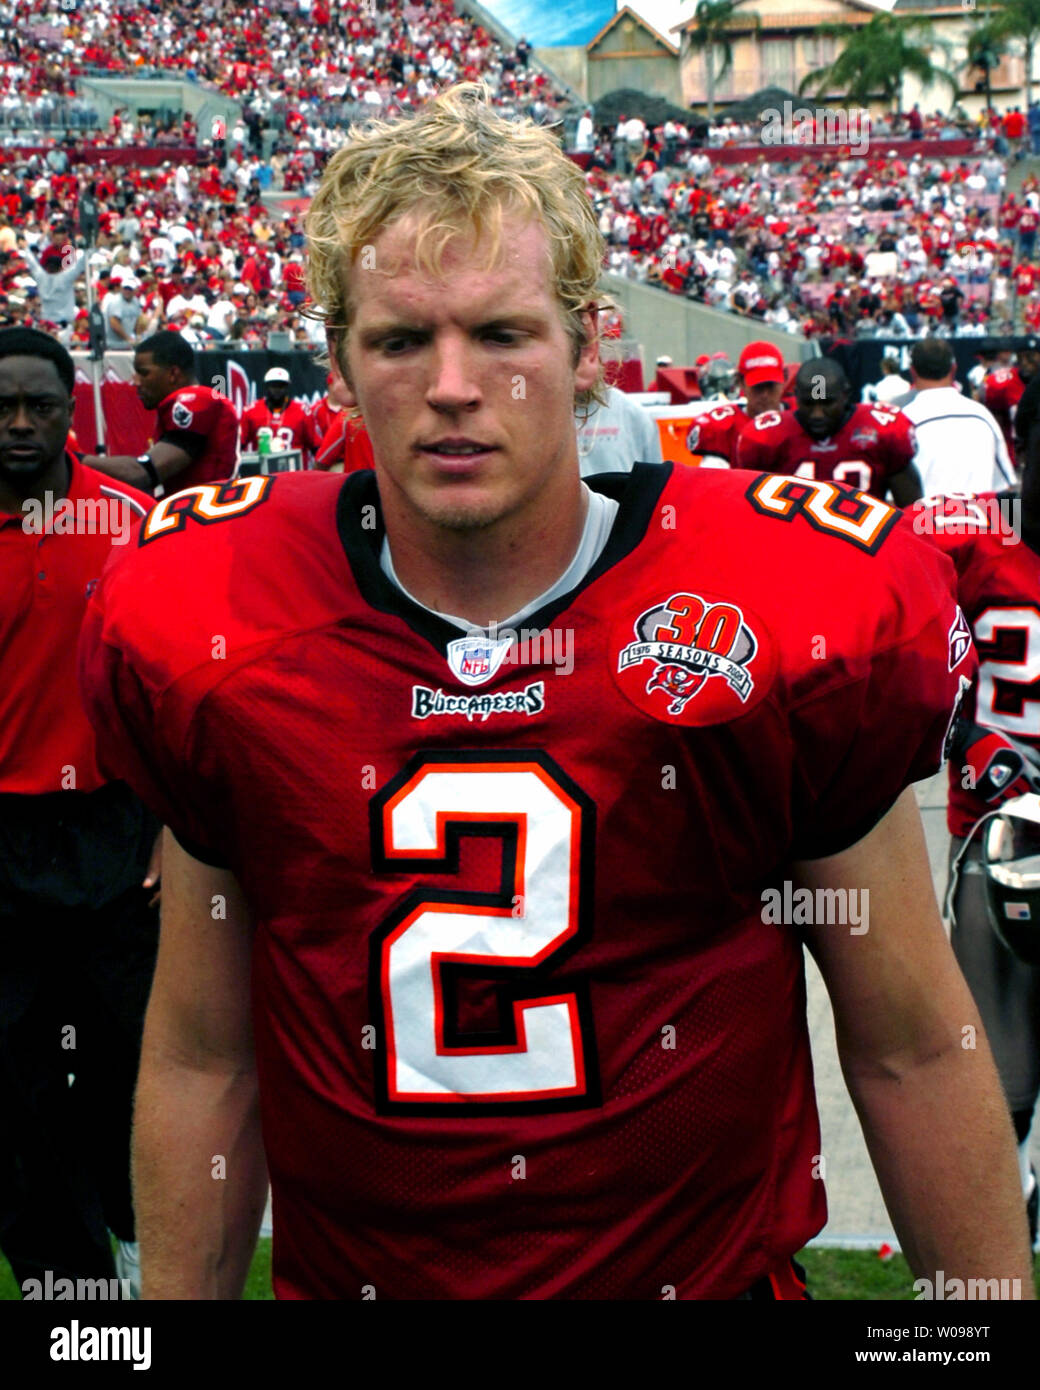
(637, 494)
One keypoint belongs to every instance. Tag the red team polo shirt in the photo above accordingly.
(205, 426)
(414, 1030)
(45, 576)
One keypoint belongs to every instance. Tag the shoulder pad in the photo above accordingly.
(767, 420)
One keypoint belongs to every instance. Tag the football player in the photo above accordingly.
(322, 414)
(286, 419)
(1003, 389)
(994, 541)
(345, 446)
(829, 437)
(519, 982)
(715, 433)
(197, 429)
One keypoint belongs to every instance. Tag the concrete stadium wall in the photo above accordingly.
(668, 325)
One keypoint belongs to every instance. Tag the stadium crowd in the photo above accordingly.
(876, 243)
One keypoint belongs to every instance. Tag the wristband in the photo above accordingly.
(145, 460)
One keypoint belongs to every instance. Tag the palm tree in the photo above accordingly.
(986, 46)
(877, 57)
(714, 23)
(1020, 19)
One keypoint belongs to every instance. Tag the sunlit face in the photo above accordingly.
(466, 382)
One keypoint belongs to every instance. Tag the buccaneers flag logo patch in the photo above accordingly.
(693, 648)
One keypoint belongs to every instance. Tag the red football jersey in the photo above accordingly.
(1002, 391)
(873, 444)
(204, 425)
(998, 586)
(289, 426)
(521, 1027)
(346, 441)
(716, 432)
(319, 419)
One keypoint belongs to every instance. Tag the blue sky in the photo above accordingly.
(570, 22)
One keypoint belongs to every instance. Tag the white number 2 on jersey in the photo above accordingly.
(542, 1056)
(987, 625)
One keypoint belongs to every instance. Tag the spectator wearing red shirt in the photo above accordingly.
(1013, 127)
(1028, 223)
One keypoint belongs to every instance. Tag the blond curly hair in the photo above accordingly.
(457, 168)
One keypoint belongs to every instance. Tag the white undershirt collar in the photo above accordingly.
(599, 518)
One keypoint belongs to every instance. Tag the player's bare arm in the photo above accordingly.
(200, 1178)
(917, 1063)
(905, 487)
(167, 460)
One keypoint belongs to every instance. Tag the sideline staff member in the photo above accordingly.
(77, 933)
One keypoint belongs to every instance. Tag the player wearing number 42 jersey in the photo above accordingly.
(830, 438)
(502, 780)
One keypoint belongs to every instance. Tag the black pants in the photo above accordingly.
(73, 988)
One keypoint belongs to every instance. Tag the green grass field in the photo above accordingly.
(857, 1275)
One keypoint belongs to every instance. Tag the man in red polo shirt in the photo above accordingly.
(198, 429)
(78, 927)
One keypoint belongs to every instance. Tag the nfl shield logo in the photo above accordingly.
(474, 660)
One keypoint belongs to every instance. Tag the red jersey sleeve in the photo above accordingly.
(190, 417)
(959, 526)
(900, 443)
(906, 668)
(715, 432)
(757, 445)
(333, 443)
(134, 742)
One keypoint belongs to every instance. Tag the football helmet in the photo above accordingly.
(1011, 865)
(720, 379)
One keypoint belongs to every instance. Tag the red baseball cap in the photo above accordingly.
(761, 362)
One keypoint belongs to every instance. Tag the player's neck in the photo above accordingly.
(487, 574)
